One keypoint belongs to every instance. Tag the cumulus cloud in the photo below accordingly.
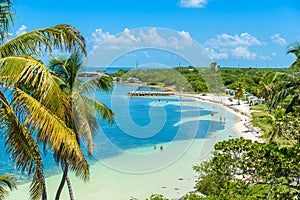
(224, 46)
(21, 30)
(226, 40)
(216, 55)
(192, 3)
(277, 39)
(113, 41)
(129, 39)
(242, 52)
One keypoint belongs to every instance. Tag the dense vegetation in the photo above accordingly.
(192, 79)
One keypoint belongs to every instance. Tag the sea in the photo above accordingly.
(143, 128)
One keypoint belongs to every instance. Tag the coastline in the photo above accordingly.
(244, 127)
(173, 180)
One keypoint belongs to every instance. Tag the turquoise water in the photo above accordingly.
(144, 122)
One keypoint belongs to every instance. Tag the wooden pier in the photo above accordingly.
(150, 93)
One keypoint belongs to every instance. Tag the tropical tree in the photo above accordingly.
(239, 88)
(295, 49)
(83, 119)
(242, 169)
(33, 108)
(214, 67)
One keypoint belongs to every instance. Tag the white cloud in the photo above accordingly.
(216, 55)
(224, 46)
(192, 3)
(242, 52)
(226, 40)
(277, 39)
(21, 30)
(129, 39)
(113, 41)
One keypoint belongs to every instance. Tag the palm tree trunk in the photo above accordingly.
(44, 192)
(64, 168)
(70, 188)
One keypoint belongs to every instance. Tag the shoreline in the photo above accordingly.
(244, 127)
(178, 176)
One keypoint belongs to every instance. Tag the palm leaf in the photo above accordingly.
(92, 85)
(81, 119)
(52, 130)
(23, 147)
(101, 109)
(6, 19)
(31, 75)
(63, 37)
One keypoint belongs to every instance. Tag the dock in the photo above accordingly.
(150, 93)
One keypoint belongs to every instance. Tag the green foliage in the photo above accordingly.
(239, 167)
(193, 196)
(157, 197)
(250, 77)
(119, 73)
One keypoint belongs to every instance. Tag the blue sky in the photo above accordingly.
(233, 32)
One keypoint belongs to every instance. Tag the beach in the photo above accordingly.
(140, 172)
(242, 110)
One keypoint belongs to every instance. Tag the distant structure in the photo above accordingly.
(150, 93)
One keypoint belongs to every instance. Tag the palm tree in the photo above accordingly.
(295, 49)
(33, 107)
(84, 108)
(6, 181)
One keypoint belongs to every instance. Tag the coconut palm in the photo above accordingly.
(33, 108)
(84, 109)
(295, 49)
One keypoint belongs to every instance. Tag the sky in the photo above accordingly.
(247, 33)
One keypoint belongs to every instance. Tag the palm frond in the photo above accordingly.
(6, 19)
(63, 37)
(84, 112)
(23, 147)
(92, 85)
(52, 130)
(101, 109)
(81, 119)
(31, 75)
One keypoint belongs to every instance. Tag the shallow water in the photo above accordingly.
(124, 161)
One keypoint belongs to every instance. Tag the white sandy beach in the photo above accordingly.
(244, 126)
(141, 172)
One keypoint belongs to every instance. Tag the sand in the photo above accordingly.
(244, 127)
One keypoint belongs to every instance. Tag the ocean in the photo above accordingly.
(132, 144)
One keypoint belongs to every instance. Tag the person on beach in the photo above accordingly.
(220, 119)
(161, 148)
(154, 147)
